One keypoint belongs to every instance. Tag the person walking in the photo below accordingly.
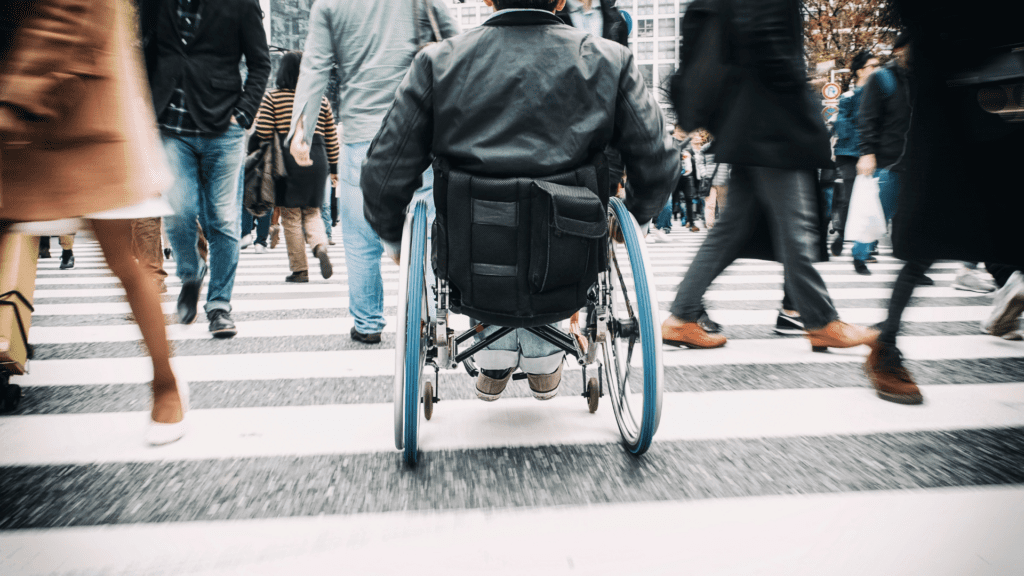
(373, 45)
(79, 149)
(67, 254)
(847, 147)
(716, 174)
(193, 51)
(775, 140)
(301, 195)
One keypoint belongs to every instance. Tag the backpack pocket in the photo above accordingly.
(568, 224)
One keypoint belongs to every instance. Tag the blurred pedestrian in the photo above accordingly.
(77, 141)
(146, 247)
(300, 196)
(774, 139)
(67, 255)
(373, 45)
(193, 54)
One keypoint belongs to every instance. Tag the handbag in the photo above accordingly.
(707, 183)
(263, 168)
(865, 221)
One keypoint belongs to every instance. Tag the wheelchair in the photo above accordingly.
(617, 342)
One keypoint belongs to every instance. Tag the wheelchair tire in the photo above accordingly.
(411, 343)
(639, 317)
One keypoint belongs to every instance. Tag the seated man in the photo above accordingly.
(523, 95)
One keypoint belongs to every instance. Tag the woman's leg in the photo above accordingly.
(291, 219)
(113, 236)
(709, 207)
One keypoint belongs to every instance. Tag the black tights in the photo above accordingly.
(908, 279)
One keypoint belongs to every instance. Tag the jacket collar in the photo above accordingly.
(522, 18)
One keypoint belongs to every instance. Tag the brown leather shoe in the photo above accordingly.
(678, 333)
(545, 386)
(490, 387)
(891, 380)
(839, 334)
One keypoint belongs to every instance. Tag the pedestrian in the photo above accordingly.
(716, 175)
(77, 141)
(770, 133)
(300, 195)
(516, 139)
(373, 45)
(146, 248)
(67, 254)
(193, 51)
(847, 146)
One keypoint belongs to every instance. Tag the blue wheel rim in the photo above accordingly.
(413, 343)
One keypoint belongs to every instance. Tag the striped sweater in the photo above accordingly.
(275, 115)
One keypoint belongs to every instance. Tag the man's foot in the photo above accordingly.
(246, 242)
(259, 249)
(275, 235)
(188, 299)
(1007, 305)
(298, 277)
(925, 281)
(221, 325)
(861, 267)
(331, 241)
(67, 259)
(675, 332)
(364, 338)
(709, 325)
(890, 379)
(491, 383)
(326, 270)
(973, 281)
(167, 253)
(693, 228)
(839, 334)
(837, 245)
(789, 324)
(545, 386)
(44, 252)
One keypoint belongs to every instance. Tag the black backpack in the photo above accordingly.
(699, 89)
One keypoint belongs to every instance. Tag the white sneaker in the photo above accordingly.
(660, 236)
(247, 241)
(973, 281)
(1007, 305)
(260, 249)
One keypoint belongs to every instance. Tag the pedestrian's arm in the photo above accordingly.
(651, 159)
(448, 26)
(265, 119)
(314, 73)
(869, 117)
(400, 152)
(330, 135)
(257, 62)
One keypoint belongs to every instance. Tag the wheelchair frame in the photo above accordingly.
(438, 346)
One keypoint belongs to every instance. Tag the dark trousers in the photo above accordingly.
(847, 166)
(908, 279)
(787, 198)
(262, 226)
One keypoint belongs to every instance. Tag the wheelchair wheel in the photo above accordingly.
(635, 337)
(412, 322)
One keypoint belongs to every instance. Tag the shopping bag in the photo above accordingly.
(865, 221)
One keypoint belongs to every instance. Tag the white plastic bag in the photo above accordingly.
(865, 221)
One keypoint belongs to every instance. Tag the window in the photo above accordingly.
(667, 50)
(647, 71)
(485, 11)
(644, 7)
(468, 17)
(645, 50)
(666, 27)
(645, 28)
(666, 6)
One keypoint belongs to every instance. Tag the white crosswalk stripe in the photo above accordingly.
(289, 463)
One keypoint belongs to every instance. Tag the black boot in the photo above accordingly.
(67, 259)
(44, 246)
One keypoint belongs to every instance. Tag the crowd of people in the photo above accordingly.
(77, 144)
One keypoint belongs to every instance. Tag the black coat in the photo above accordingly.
(770, 119)
(207, 68)
(884, 119)
(963, 198)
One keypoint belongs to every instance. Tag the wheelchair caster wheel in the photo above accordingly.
(428, 400)
(10, 397)
(593, 394)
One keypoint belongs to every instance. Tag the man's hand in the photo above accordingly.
(866, 165)
(299, 147)
(334, 180)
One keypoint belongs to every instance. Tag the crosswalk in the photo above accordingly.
(769, 459)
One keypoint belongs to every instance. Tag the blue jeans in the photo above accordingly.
(248, 220)
(325, 210)
(889, 194)
(664, 219)
(206, 190)
(363, 248)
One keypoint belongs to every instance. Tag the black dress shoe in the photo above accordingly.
(365, 338)
(67, 259)
(221, 325)
(861, 267)
(167, 253)
(188, 299)
(837, 245)
(709, 325)
(925, 281)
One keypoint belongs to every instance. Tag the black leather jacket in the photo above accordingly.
(522, 95)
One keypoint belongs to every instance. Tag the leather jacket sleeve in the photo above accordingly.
(400, 152)
(56, 49)
(651, 159)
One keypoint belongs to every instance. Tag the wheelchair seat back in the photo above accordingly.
(520, 251)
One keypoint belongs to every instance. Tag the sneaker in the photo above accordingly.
(789, 324)
(890, 379)
(491, 383)
(326, 270)
(545, 386)
(221, 325)
(709, 325)
(861, 267)
(298, 277)
(260, 249)
(1007, 305)
(364, 338)
(246, 241)
(67, 259)
(973, 281)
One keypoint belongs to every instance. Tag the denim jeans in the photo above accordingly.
(325, 211)
(206, 189)
(521, 348)
(248, 220)
(363, 248)
(889, 194)
(664, 219)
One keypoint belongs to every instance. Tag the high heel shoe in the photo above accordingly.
(159, 433)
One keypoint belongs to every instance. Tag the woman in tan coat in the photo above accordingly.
(78, 141)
